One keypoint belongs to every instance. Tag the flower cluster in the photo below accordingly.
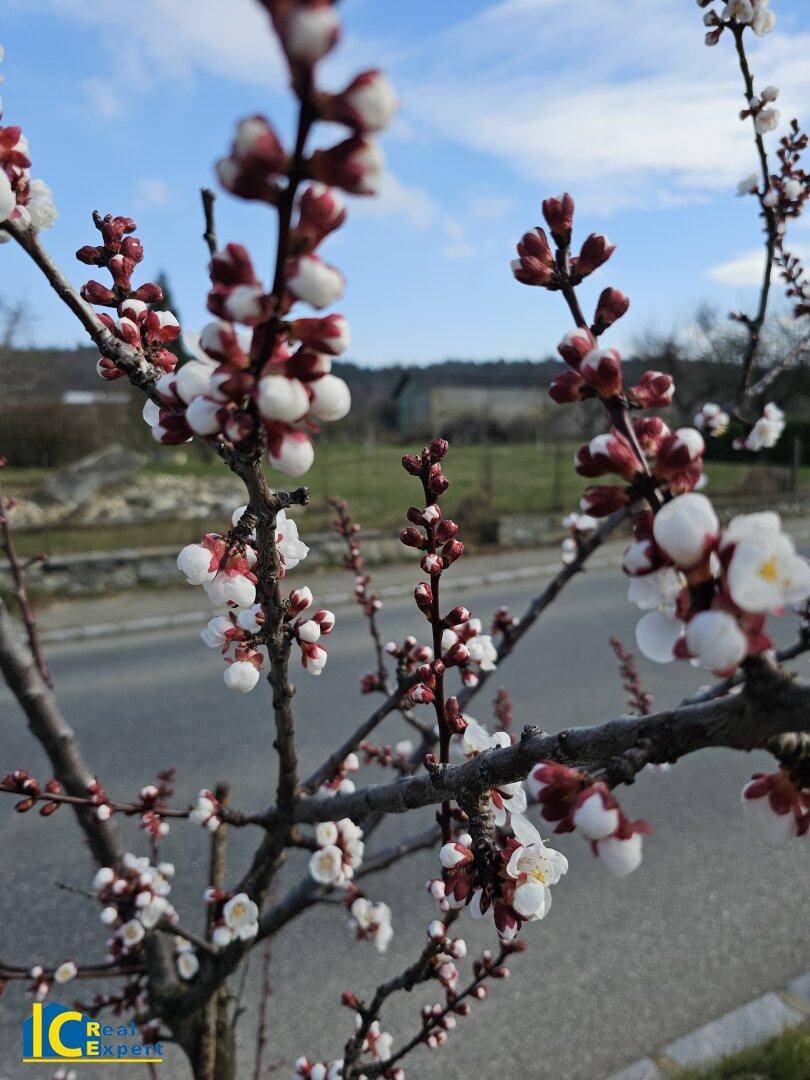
(185, 959)
(206, 811)
(708, 591)
(508, 799)
(139, 323)
(339, 783)
(519, 878)
(32, 792)
(22, 200)
(134, 900)
(766, 432)
(318, 1070)
(573, 801)
(223, 566)
(235, 917)
(754, 13)
(372, 922)
(712, 419)
(775, 808)
(339, 854)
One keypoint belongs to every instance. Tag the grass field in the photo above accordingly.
(486, 481)
(786, 1057)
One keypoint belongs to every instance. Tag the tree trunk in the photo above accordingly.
(208, 1039)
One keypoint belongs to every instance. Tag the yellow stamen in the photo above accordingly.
(769, 570)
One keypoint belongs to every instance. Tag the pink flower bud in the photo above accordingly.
(654, 390)
(367, 104)
(432, 564)
(321, 210)
(457, 655)
(602, 371)
(355, 165)
(308, 366)
(596, 250)
(96, 293)
(325, 619)
(205, 416)
(106, 369)
(412, 537)
(678, 450)
(535, 262)
(421, 694)
(171, 428)
(559, 215)
(289, 451)
(650, 430)
(220, 341)
(328, 335)
(315, 282)
(601, 500)
(452, 550)
(608, 453)
(567, 388)
(232, 266)
(575, 346)
(611, 305)
(308, 31)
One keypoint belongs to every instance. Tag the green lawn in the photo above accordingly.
(517, 478)
(786, 1057)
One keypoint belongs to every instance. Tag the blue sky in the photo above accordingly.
(618, 101)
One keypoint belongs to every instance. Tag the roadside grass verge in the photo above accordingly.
(785, 1057)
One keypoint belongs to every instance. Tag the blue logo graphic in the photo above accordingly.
(54, 1033)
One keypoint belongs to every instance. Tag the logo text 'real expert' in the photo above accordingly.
(55, 1033)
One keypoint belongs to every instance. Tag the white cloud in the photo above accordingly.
(745, 269)
(150, 191)
(622, 102)
(396, 199)
(103, 99)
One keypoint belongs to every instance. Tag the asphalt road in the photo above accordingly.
(618, 967)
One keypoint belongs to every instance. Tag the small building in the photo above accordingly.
(438, 401)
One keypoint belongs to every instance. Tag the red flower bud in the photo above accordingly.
(654, 390)
(602, 371)
(596, 250)
(576, 345)
(600, 500)
(559, 215)
(452, 550)
(650, 430)
(412, 464)
(150, 293)
(567, 388)
(438, 449)
(445, 530)
(96, 293)
(412, 537)
(611, 305)
(535, 262)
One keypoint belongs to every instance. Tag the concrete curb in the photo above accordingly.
(341, 598)
(753, 1023)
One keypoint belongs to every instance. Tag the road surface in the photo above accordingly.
(618, 967)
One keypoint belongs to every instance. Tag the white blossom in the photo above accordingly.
(765, 573)
(685, 528)
(535, 868)
(229, 588)
(241, 676)
(65, 972)
(195, 562)
(241, 916)
(715, 640)
(326, 865)
(187, 964)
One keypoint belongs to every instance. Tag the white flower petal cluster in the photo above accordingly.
(339, 854)
(534, 868)
(372, 921)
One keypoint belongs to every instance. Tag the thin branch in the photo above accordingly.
(21, 592)
(210, 235)
(56, 737)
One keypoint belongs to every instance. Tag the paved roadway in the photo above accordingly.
(618, 968)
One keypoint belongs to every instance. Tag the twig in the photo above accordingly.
(21, 592)
(210, 235)
(264, 1005)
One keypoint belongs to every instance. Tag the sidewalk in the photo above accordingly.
(161, 608)
(751, 1024)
